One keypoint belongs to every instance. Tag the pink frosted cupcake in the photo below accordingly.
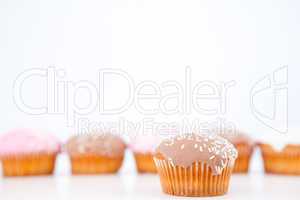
(143, 148)
(25, 152)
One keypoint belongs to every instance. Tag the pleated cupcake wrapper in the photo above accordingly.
(145, 163)
(196, 180)
(95, 164)
(243, 161)
(282, 163)
(28, 164)
(242, 164)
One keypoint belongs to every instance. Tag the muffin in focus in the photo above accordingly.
(195, 164)
(26, 152)
(245, 146)
(95, 153)
(285, 161)
(143, 148)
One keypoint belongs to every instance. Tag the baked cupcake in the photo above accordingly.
(143, 148)
(95, 153)
(285, 161)
(195, 164)
(281, 152)
(245, 146)
(25, 152)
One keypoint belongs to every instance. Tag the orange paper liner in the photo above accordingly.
(145, 163)
(197, 180)
(242, 162)
(95, 164)
(28, 165)
(285, 163)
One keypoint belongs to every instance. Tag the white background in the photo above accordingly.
(150, 40)
(221, 41)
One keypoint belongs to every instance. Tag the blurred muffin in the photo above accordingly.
(195, 165)
(245, 146)
(95, 153)
(143, 148)
(25, 152)
(285, 161)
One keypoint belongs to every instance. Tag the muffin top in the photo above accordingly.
(104, 144)
(184, 150)
(288, 148)
(144, 144)
(26, 141)
(280, 141)
(237, 138)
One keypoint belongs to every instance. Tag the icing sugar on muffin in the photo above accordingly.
(143, 148)
(95, 153)
(28, 152)
(195, 164)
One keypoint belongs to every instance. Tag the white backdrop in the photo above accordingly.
(220, 41)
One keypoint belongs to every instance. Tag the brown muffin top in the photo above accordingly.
(99, 144)
(184, 150)
(288, 148)
(238, 138)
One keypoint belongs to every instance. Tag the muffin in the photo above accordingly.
(195, 164)
(25, 152)
(95, 153)
(143, 148)
(284, 161)
(245, 146)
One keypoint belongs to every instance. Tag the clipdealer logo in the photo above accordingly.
(147, 97)
(274, 85)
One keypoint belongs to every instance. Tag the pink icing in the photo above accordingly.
(26, 141)
(144, 144)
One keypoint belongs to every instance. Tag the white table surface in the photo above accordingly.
(132, 186)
